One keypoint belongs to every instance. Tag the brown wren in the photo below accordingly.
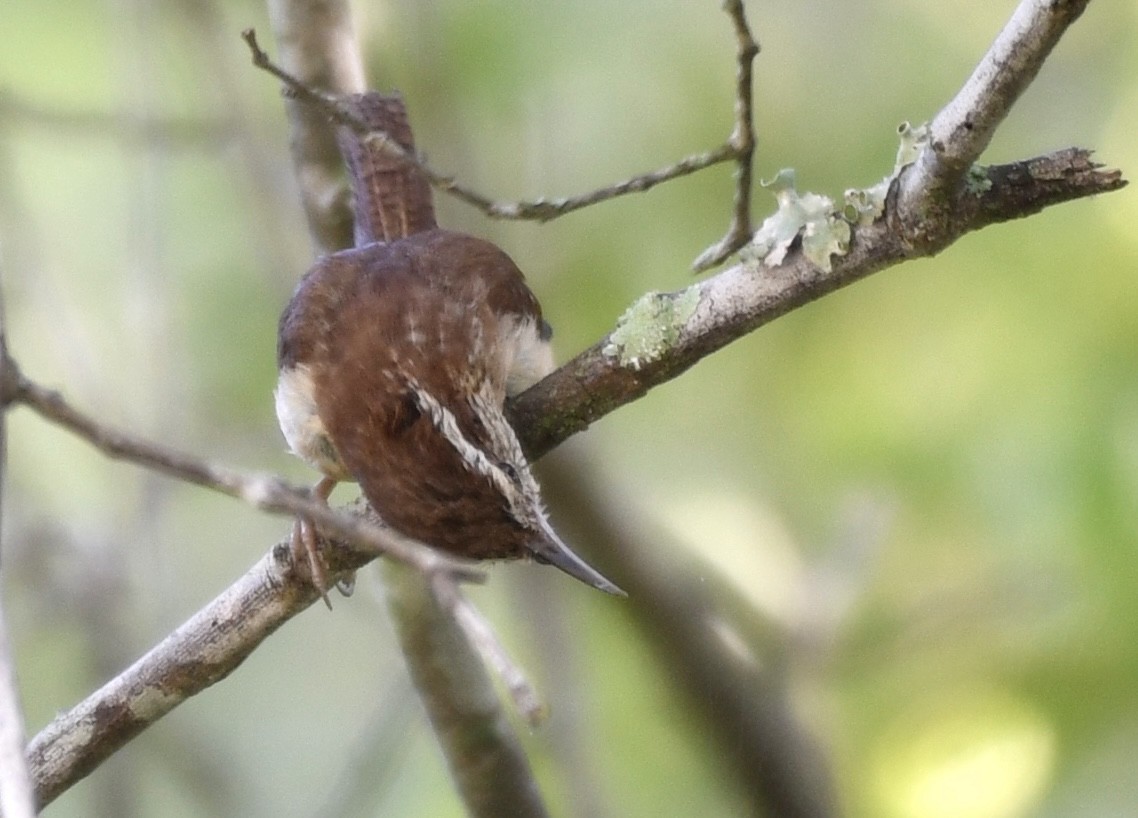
(396, 358)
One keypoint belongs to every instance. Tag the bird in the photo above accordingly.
(396, 358)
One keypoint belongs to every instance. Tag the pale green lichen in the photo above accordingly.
(976, 181)
(913, 141)
(650, 327)
(865, 205)
(824, 233)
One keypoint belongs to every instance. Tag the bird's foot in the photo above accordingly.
(305, 544)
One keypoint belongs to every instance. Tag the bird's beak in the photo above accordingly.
(548, 548)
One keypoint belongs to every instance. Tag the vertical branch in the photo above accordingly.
(317, 44)
(16, 793)
(486, 760)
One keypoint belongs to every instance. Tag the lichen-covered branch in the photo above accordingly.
(664, 334)
(933, 200)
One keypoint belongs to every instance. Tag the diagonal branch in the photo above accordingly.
(679, 329)
(727, 657)
(264, 492)
(203, 651)
(487, 762)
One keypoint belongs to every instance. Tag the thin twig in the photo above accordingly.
(265, 492)
(540, 210)
(742, 142)
(482, 636)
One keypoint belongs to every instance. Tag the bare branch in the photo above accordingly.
(486, 760)
(16, 795)
(541, 210)
(722, 652)
(264, 492)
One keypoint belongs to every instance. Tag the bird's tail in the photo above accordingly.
(392, 197)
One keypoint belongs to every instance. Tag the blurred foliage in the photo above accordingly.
(977, 657)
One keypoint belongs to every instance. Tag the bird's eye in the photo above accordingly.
(509, 470)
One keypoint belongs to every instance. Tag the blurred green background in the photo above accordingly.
(928, 480)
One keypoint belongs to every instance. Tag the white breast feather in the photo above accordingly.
(303, 430)
(528, 358)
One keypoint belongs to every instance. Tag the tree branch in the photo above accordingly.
(739, 147)
(17, 797)
(936, 200)
(681, 328)
(486, 760)
(317, 42)
(928, 193)
(742, 141)
(203, 651)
